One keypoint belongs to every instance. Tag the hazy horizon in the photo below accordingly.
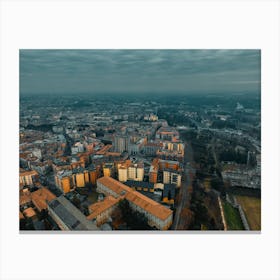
(139, 71)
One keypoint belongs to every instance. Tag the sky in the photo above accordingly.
(136, 71)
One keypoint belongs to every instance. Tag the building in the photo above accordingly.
(153, 172)
(37, 153)
(157, 215)
(108, 169)
(64, 181)
(77, 148)
(140, 186)
(24, 198)
(41, 197)
(122, 173)
(169, 164)
(170, 171)
(168, 194)
(151, 148)
(93, 174)
(80, 177)
(172, 177)
(151, 117)
(67, 216)
(167, 133)
(120, 143)
(136, 172)
(27, 178)
(101, 211)
(30, 213)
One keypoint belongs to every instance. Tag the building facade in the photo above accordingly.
(158, 216)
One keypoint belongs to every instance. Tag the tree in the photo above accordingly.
(43, 214)
(89, 186)
(29, 224)
(134, 219)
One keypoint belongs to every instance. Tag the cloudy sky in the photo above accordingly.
(95, 71)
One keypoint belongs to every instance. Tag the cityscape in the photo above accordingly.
(140, 140)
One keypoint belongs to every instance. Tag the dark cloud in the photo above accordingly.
(139, 70)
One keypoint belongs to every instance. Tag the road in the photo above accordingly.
(184, 202)
(222, 213)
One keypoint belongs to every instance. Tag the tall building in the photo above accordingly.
(120, 143)
(153, 172)
(64, 181)
(93, 173)
(80, 177)
(131, 171)
(136, 172)
(122, 173)
(171, 177)
(108, 169)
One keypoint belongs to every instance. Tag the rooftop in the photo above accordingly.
(41, 197)
(137, 198)
(99, 207)
(70, 215)
(29, 212)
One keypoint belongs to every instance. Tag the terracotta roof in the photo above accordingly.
(24, 197)
(29, 212)
(149, 205)
(41, 197)
(27, 173)
(113, 184)
(99, 207)
(137, 198)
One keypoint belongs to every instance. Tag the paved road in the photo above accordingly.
(189, 171)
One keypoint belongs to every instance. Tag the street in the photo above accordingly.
(180, 221)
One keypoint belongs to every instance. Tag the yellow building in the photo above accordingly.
(93, 176)
(65, 184)
(122, 172)
(108, 169)
(64, 180)
(80, 178)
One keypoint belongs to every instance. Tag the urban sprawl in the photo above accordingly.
(111, 163)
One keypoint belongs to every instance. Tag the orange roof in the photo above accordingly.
(41, 197)
(24, 197)
(99, 207)
(113, 184)
(27, 173)
(149, 205)
(44, 193)
(137, 198)
(29, 212)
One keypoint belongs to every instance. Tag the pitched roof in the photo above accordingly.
(137, 198)
(101, 206)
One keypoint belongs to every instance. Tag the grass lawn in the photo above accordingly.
(232, 217)
(252, 209)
